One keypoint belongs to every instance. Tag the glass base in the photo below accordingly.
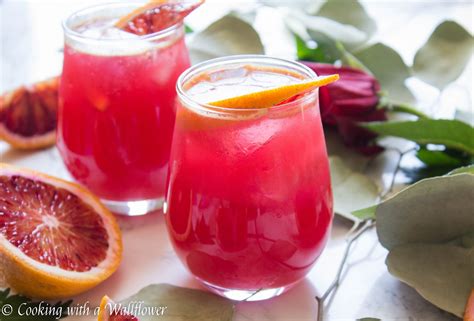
(134, 208)
(246, 295)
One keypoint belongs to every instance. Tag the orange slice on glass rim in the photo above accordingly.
(273, 96)
(156, 15)
(253, 102)
(56, 238)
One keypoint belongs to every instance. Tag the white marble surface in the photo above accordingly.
(30, 50)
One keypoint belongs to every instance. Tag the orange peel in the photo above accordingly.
(273, 96)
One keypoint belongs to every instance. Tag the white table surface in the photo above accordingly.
(30, 50)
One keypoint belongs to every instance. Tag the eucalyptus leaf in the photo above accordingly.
(433, 210)
(451, 133)
(350, 13)
(466, 169)
(443, 58)
(351, 190)
(389, 69)
(442, 273)
(182, 304)
(229, 35)
(428, 229)
(348, 59)
(347, 34)
(365, 213)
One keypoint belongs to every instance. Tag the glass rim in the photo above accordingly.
(69, 31)
(228, 60)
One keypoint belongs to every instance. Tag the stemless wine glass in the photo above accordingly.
(249, 202)
(117, 107)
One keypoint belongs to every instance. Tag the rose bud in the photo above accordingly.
(352, 99)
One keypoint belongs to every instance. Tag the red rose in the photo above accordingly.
(352, 99)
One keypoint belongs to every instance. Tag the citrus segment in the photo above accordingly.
(110, 311)
(273, 96)
(156, 15)
(56, 238)
(28, 115)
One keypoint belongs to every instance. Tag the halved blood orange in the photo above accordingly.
(28, 115)
(157, 15)
(56, 238)
(110, 311)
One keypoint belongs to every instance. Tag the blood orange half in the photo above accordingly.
(28, 115)
(56, 239)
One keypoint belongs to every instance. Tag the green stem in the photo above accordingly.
(403, 108)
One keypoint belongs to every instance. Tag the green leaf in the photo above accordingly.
(451, 133)
(365, 213)
(429, 230)
(182, 304)
(348, 59)
(188, 29)
(351, 190)
(350, 13)
(437, 158)
(320, 53)
(389, 69)
(17, 305)
(466, 169)
(432, 210)
(229, 35)
(443, 58)
(441, 273)
(315, 25)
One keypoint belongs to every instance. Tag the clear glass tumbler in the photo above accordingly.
(249, 202)
(117, 107)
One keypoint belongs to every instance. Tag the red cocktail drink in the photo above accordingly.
(249, 203)
(117, 107)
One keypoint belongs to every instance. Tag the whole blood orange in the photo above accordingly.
(28, 115)
(56, 238)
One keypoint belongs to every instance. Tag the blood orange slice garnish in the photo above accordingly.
(56, 238)
(111, 311)
(252, 105)
(273, 96)
(28, 115)
(156, 15)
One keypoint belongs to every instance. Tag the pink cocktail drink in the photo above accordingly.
(249, 203)
(117, 107)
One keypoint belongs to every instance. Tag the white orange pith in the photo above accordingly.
(58, 240)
